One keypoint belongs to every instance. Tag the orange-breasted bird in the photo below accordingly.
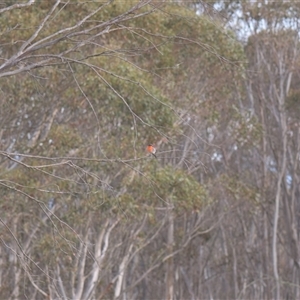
(151, 149)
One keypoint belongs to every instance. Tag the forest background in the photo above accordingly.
(86, 213)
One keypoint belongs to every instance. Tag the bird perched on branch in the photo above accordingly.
(151, 149)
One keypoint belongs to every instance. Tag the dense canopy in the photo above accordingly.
(86, 212)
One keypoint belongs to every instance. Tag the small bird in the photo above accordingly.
(151, 149)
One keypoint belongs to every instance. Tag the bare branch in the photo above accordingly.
(16, 6)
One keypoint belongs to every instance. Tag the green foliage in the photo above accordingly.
(246, 129)
(238, 189)
(180, 189)
(164, 187)
(52, 248)
(292, 103)
(118, 93)
(64, 138)
(113, 96)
